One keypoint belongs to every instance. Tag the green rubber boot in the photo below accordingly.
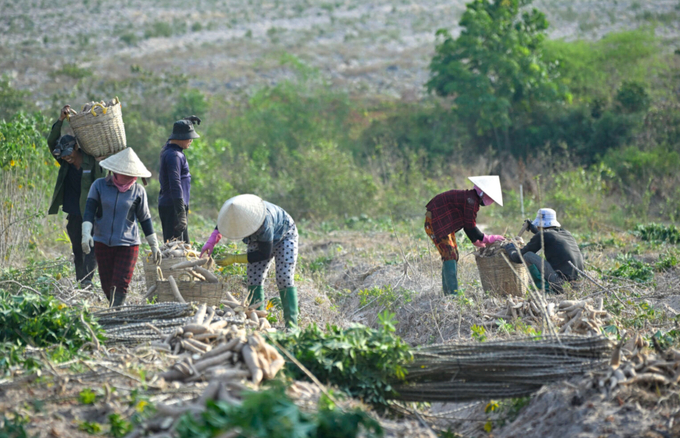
(540, 283)
(255, 295)
(289, 301)
(450, 277)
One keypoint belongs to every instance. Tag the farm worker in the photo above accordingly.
(454, 210)
(77, 172)
(173, 200)
(270, 233)
(560, 249)
(114, 205)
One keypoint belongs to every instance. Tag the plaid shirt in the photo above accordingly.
(453, 211)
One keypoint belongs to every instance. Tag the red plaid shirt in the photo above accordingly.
(453, 211)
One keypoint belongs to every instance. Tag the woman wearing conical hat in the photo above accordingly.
(270, 233)
(455, 210)
(114, 206)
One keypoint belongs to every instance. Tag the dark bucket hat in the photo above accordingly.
(65, 146)
(183, 130)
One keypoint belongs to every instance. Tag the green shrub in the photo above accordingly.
(626, 266)
(658, 233)
(360, 361)
(272, 414)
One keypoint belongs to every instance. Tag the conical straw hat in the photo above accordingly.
(491, 185)
(126, 162)
(241, 216)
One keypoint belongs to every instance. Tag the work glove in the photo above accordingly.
(181, 215)
(209, 246)
(155, 250)
(479, 244)
(86, 241)
(230, 259)
(530, 226)
(193, 119)
(491, 238)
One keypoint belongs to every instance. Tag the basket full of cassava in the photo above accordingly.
(182, 276)
(498, 274)
(99, 128)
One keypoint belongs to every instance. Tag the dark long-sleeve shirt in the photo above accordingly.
(276, 225)
(560, 249)
(73, 185)
(174, 176)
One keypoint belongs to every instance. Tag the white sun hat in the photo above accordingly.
(491, 185)
(241, 216)
(127, 163)
(546, 218)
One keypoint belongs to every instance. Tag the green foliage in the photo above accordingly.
(72, 70)
(627, 266)
(118, 426)
(478, 333)
(361, 361)
(271, 414)
(386, 296)
(11, 100)
(658, 233)
(13, 427)
(87, 396)
(495, 68)
(632, 97)
(91, 427)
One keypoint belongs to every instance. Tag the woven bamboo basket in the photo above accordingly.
(100, 131)
(153, 273)
(498, 278)
(200, 291)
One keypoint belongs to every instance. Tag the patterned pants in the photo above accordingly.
(285, 252)
(116, 266)
(447, 245)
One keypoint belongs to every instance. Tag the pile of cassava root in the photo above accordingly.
(570, 316)
(495, 248)
(226, 356)
(633, 363)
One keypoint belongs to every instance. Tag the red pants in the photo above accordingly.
(116, 266)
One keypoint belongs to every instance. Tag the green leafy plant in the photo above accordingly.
(361, 361)
(658, 232)
(91, 427)
(386, 296)
(118, 426)
(629, 267)
(13, 427)
(271, 414)
(478, 333)
(87, 396)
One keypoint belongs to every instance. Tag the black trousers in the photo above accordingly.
(168, 222)
(86, 264)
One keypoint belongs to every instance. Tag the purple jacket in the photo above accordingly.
(174, 175)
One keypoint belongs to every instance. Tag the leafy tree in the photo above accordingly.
(495, 68)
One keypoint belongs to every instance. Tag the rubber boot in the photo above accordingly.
(538, 279)
(255, 295)
(289, 301)
(118, 298)
(450, 277)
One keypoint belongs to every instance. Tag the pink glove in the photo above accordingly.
(488, 239)
(210, 244)
(479, 244)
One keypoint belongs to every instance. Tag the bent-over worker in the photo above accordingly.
(270, 233)
(114, 205)
(454, 210)
(77, 171)
(560, 249)
(175, 179)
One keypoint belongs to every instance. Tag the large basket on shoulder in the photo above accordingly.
(498, 277)
(100, 131)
